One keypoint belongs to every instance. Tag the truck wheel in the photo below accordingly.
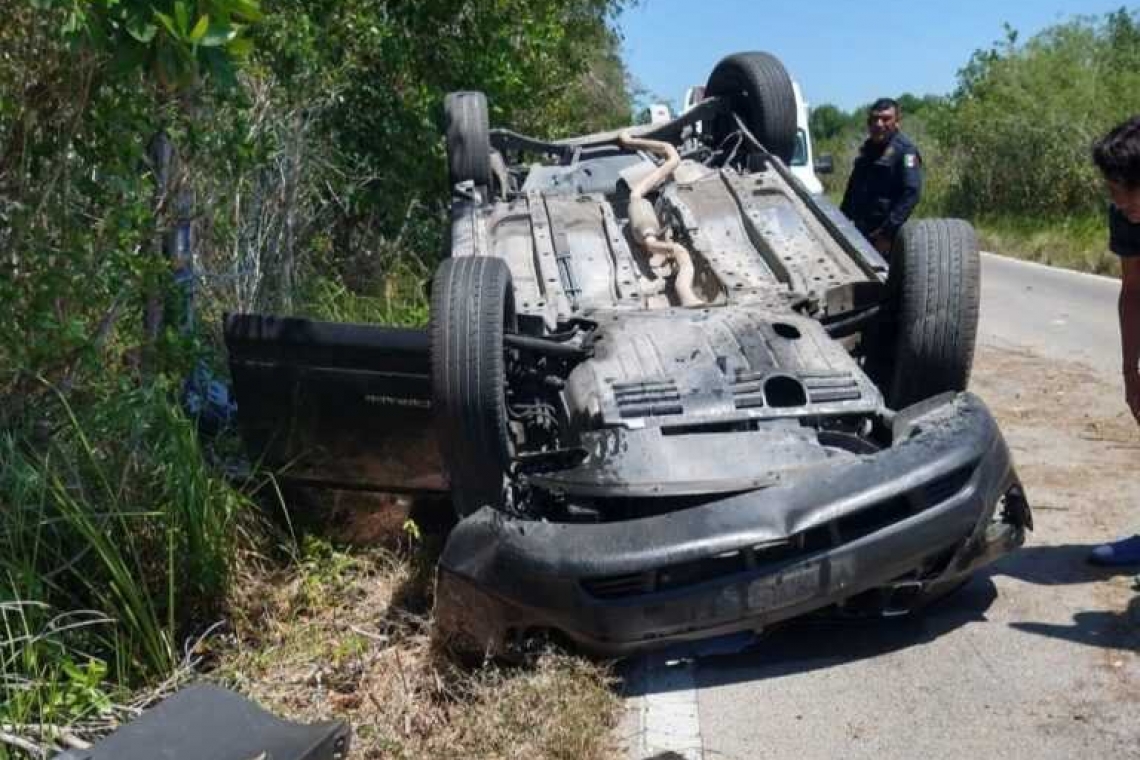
(925, 346)
(760, 91)
(472, 306)
(468, 138)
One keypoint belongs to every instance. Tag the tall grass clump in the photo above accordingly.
(111, 512)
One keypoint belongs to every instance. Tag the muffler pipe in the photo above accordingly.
(683, 284)
(645, 225)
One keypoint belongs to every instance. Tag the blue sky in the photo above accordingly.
(841, 51)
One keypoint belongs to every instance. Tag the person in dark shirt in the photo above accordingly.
(886, 181)
(1117, 155)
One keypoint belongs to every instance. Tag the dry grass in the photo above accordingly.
(345, 634)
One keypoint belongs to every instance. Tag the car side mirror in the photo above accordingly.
(824, 164)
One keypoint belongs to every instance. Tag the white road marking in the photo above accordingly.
(665, 712)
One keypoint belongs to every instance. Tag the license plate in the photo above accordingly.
(790, 587)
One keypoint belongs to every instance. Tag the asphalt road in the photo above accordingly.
(1056, 314)
(1038, 657)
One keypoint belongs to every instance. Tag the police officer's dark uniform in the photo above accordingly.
(885, 186)
(1123, 235)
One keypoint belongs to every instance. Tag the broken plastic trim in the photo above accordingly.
(208, 722)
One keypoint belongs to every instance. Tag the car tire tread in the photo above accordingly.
(472, 306)
(936, 273)
(468, 138)
(760, 90)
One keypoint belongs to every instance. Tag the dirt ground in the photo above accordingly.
(1076, 447)
(1077, 450)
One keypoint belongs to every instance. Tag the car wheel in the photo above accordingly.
(760, 91)
(468, 138)
(925, 345)
(472, 306)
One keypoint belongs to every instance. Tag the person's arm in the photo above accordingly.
(911, 169)
(1129, 310)
(847, 206)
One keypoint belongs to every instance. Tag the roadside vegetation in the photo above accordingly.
(1010, 148)
(346, 635)
(301, 152)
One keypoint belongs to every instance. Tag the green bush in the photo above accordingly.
(1022, 123)
(114, 523)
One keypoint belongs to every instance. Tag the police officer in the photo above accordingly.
(886, 182)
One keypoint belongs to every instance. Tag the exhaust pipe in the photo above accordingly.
(646, 227)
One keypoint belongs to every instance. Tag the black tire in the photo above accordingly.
(760, 90)
(925, 346)
(468, 138)
(472, 306)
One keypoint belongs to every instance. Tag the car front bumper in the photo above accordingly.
(919, 515)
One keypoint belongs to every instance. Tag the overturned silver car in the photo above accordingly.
(672, 394)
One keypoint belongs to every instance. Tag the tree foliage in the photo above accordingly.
(547, 66)
(328, 153)
(827, 121)
(174, 40)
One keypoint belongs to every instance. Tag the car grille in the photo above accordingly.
(838, 532)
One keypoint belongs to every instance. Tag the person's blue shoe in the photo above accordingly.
(1126, 551)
